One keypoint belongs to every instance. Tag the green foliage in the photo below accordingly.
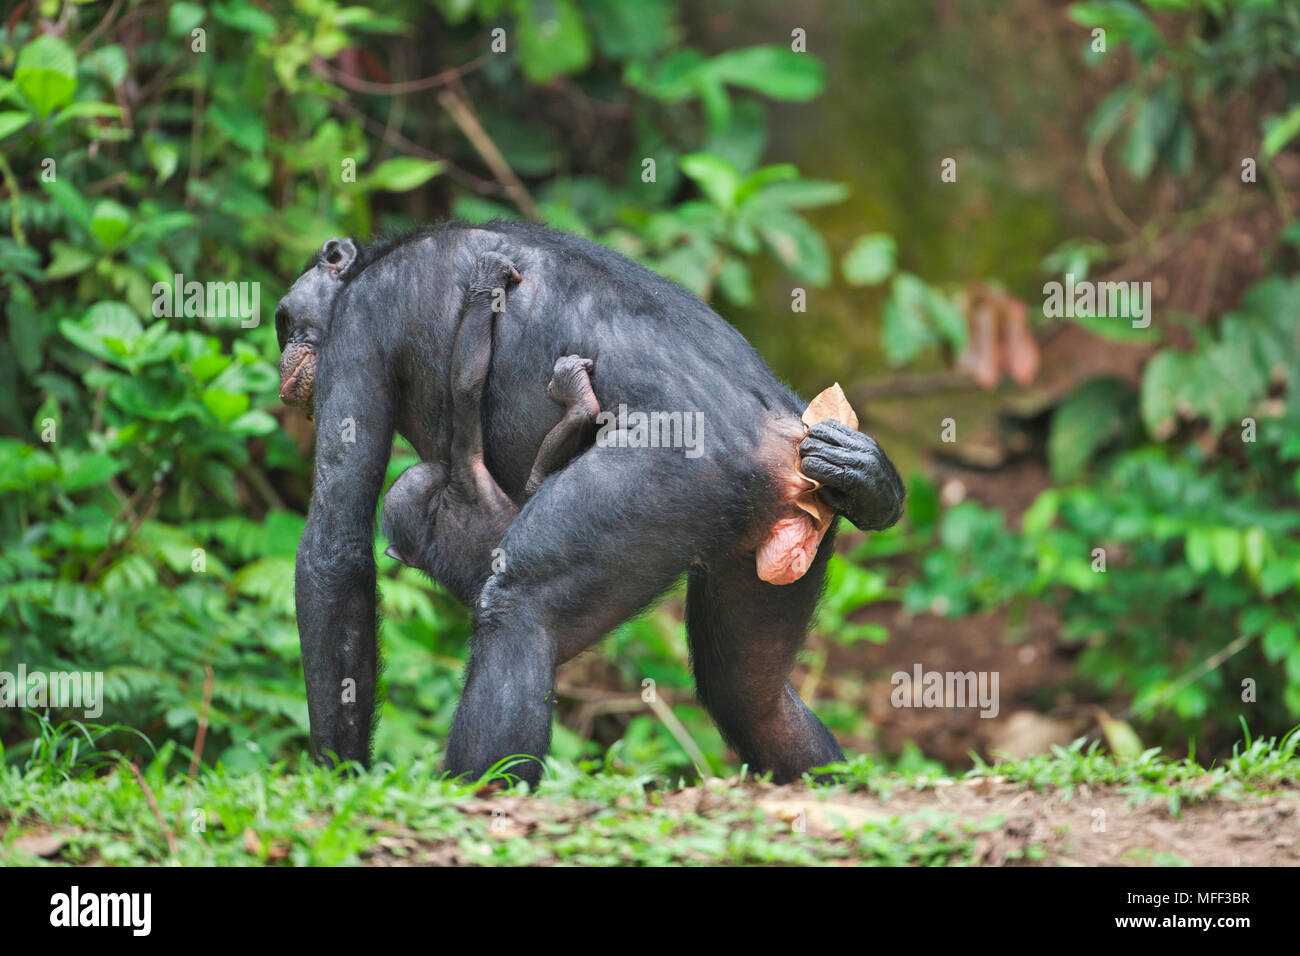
(1222, 48)
(1193, 557)
(1231, 372)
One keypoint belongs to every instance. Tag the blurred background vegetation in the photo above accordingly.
(152, 489)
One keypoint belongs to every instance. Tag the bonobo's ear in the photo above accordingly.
(337, 255)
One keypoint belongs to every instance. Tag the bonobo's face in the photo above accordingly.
(410, 513)
(302, 320)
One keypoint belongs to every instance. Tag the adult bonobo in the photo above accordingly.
(603, 536)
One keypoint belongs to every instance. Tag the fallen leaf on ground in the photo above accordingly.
(41, 844)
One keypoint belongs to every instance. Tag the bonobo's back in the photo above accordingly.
(663, 348)
(656, 347)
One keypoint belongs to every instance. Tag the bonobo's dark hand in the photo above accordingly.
(858, 480)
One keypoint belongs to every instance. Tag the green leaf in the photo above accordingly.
(254, 423)
(148, 399)
(1225, 543)
(1106, 119)
(1278, 131)
(553, 39)
(1162, 383)
(796, 245)
(402, 174)
(773, 71)
(1199, 550)
(13, 120)
(1279, 640)
(69, 200)
(106, 331)
(673, 79)
(68, 260)
(109, 222)
(184, 17)
(108, 62)
(1093, 417)
(207, 367)
(742, 141)
(871, 260)
(244, 16)
(89, 470)
(1254, 549)
(46, 73)
(1123, 22)
(717, 178)
(1120, 737)
(715, 102)
(240, 124)
(905, 331)
(632, 29)
(947, 317)
(803, 193)
(92, 109)
(735, 282)
(225, 406)
(163, 156)
(762, 178)
(1039, 517)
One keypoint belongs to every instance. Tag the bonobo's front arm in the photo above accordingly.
(335, 581)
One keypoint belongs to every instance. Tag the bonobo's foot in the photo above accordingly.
(570, 383)
(493, 271)
(858, 480)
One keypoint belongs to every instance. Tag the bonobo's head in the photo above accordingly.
(410, 512)
(302, 319)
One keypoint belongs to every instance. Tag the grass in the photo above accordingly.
(314, 816)
(73, 802)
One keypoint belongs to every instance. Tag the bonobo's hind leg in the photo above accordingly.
(744, 635)
(601, 539)
(570, 387)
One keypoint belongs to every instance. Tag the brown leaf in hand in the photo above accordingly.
(831, 404)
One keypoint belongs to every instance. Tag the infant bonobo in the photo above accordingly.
(435, 514)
